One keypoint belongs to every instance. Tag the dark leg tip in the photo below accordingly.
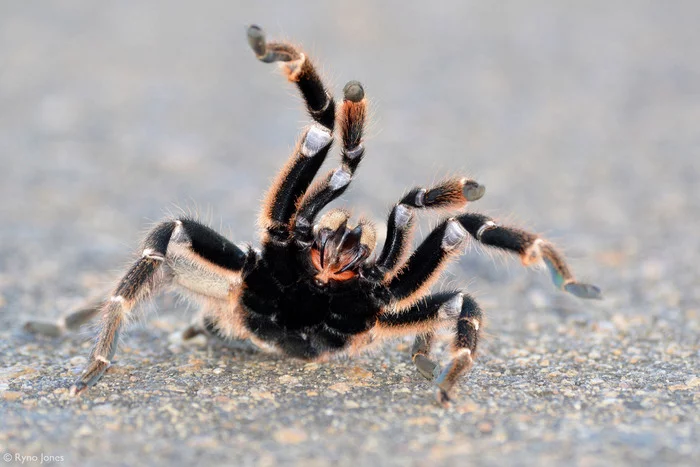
(78, 388)
(426, 367)
(191, 332)
(442, 397)
(473, 191)
(587, 291)
(256, 39)
(46, 329)
(353, 91)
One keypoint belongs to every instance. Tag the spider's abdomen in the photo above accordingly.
(287, 310)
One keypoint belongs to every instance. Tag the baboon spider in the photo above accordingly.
(316, 287)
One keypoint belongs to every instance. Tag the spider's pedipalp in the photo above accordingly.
(450, 194)
(353, 91)
(352, 117)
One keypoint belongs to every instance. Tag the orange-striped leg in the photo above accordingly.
(182, 252)
(311, 150)
(531, 248)
(424, 318)
(451, 194)
(351, 118)
(138, 282)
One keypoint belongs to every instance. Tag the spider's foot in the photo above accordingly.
(44, 328)
(256, 40)
(472, 190)
(91, 375)
(426, 367)
(461, 362)
(270, 52)
(562, 277)
(77, 389)
(588, 291)
(192, 331)
(353, 91)
(442, 397)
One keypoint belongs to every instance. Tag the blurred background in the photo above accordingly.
(581, 120)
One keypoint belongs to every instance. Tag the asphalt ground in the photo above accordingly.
(580, 119)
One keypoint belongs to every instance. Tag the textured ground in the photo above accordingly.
(582, 122)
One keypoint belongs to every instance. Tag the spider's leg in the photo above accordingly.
(450, 194)
(424, 318)
(531, 248)
(298, 68)
(443, 243)
(183, 252)
(311, 150)
(70, 322)
(351, 118)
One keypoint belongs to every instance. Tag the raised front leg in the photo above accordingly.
(446, 241)
(311, 150)
(351, 118)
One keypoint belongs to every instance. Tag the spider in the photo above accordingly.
(317, 287)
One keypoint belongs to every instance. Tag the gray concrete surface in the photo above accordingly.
(581, 120)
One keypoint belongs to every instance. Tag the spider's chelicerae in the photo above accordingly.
(316, 287)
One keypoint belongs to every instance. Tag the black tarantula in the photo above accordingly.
(315, 288)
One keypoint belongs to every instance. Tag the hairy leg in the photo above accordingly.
(311, 150)
(71, 322)
(351, 118)
(450, 194)
(429, 314)
(443, 243)
(531, 248)
(182, 252)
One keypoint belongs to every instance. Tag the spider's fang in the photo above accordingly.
(353, 91)
(352, 238)
(472, 190)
